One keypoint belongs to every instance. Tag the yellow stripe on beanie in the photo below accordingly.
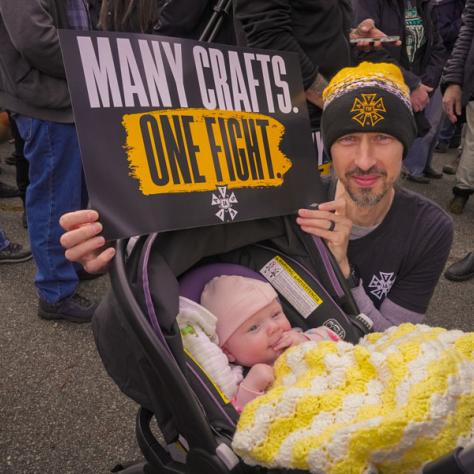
(384, 75)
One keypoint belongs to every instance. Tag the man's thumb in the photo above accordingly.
(367, 25)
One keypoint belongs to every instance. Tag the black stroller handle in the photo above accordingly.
(199, 434)
(213, 26)
(349, 304)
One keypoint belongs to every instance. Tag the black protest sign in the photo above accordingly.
(176, 134)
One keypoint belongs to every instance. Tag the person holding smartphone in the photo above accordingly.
(320, 33)
(421, 56)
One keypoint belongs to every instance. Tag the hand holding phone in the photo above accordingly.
(382, 39)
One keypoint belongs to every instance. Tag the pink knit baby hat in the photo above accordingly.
(234, 299)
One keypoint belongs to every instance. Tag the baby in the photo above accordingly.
(253, 330)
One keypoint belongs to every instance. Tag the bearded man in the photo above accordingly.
(391, 244)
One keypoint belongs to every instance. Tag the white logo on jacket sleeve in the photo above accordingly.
(381, 286)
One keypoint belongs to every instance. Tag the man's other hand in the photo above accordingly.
(452, 102)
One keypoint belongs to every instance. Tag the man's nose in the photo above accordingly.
(365, 158)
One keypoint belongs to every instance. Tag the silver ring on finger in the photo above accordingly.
(332, 226)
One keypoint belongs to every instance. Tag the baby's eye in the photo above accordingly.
(276, 315)
(252, 328)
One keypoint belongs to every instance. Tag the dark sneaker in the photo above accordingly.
(455, 142)
(461, 270)
(418, 179)
(450, 169)
(14, 253)
(75, 308)
(441, 147)
(430, 172)
(457, 204)
(7, 191)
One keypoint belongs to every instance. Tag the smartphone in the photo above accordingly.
(383, 39)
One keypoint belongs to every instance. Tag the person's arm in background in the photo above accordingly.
(32, 32)
(94, 12)
(432, 72)
(453, 75)
(373, 9)
(267, 25)
(449, 20)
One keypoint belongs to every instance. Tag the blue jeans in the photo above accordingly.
(4, 242)
(52, 151)
(446, 131)
(421, 152)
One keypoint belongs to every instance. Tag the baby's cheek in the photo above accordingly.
(287, 327)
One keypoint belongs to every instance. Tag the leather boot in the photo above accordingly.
(457, 204)
(461, 270)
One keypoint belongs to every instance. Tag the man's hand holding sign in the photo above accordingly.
(82, 240)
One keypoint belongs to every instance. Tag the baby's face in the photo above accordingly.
(252, 343)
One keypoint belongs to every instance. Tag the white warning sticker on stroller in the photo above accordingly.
(291, 286)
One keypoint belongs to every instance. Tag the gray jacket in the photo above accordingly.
(32, 77)
(460, 66)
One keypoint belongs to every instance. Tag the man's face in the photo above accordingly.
(368, 165)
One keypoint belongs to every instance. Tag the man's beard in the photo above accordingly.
(365, 197)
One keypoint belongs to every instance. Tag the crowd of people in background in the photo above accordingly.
(433, 46)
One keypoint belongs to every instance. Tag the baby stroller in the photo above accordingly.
(140, 344)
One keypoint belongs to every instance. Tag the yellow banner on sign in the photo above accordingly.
(189, 150)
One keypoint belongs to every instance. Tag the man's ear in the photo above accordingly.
(228, 354)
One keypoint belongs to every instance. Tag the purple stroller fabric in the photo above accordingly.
(192, 283)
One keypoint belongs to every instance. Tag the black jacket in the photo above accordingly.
(317, 30)
(32, 76)
(460, 67)
(448, 13)
(389, 16)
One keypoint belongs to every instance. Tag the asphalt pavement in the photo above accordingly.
(61, 413)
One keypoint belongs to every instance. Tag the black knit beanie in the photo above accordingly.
(371, 97)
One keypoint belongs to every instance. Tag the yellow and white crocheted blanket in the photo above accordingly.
(390, 404)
